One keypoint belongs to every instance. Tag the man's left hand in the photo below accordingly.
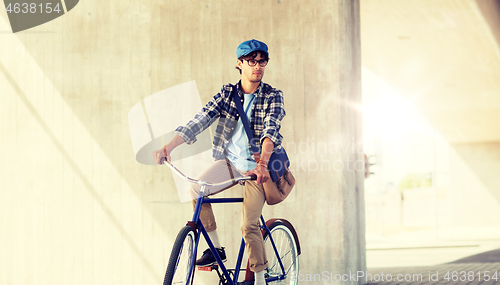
(262, 173)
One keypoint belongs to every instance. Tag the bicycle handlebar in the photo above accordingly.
(164, 161)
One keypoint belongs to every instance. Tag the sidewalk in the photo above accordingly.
(451, 273)
(443, 262)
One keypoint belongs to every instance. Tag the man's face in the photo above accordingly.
(252, 73)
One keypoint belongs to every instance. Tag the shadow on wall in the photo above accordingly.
(490, 9)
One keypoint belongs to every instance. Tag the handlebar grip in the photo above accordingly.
(254, 176)
(162, 160)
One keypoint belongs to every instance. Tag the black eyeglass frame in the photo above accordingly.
(262, 61)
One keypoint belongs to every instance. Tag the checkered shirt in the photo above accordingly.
(267, 112)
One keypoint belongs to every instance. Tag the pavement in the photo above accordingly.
(478, 268)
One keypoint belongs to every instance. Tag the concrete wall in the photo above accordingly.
(75, 207)
(475, 185)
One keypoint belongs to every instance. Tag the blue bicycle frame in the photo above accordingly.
(199, 226)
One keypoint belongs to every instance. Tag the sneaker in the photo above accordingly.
(208, 258)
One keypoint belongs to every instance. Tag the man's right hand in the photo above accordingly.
(163, 152)
(167, 149)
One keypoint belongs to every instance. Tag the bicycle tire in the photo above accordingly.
(286, 246)
(180, 259)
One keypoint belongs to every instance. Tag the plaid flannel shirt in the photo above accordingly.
(267, 112)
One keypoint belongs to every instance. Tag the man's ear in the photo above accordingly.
(239, 63)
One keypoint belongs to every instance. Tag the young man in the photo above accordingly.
(264, 108)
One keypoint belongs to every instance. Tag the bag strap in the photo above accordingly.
(245, 122)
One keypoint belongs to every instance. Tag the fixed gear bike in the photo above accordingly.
(280, 240)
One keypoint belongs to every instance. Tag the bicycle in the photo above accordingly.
(280, 239)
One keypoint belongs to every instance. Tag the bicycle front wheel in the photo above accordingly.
(286, 250)
(179, 264)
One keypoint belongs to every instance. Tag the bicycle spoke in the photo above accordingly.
(290, 267)
(274, 264)
(282, 257)
(179, 257)
(282, 240)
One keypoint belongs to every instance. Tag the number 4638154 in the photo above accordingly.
(471, 276)
(32, 8)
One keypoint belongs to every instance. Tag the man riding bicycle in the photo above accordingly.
(264, 108)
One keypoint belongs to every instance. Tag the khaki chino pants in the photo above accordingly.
(254, 198)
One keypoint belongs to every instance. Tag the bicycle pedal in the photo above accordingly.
(208, 268)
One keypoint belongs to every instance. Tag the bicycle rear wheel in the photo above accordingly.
(287, 251)
(179, 264)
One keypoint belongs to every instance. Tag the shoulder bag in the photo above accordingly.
(282, 181)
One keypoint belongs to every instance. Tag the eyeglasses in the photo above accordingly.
(253, 62)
